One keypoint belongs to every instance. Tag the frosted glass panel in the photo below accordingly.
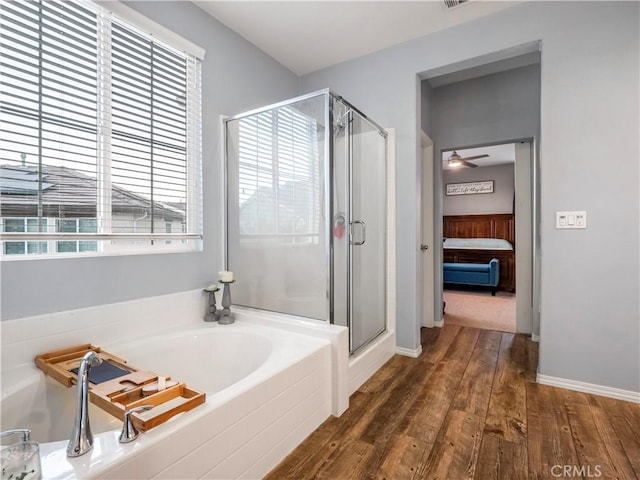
(276, 222)
(368, 233)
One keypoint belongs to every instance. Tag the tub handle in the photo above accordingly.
(25, 432)
(129, 431)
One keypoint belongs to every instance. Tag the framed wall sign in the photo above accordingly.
(469, 188)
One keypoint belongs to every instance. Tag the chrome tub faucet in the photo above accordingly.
(129, 432)
(81, 438)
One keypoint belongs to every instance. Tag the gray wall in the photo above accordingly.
(589, 107)
(426, 93)
(500, 201)
(488, 109)
(230, 85)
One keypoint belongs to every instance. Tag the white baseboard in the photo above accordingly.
(617, 393)
(439, 323)
(407, 352)
(535, 338)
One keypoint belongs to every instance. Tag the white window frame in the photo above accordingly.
(159, 242)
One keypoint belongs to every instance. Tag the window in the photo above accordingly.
(58, 225)
(22, 225)
(100, 133)
(76, 225)
(279, 184)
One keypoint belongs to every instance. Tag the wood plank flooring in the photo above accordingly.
(469, 408)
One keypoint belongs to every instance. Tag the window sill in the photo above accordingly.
(112, 252)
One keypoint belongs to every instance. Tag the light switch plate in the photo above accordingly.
(571, 219)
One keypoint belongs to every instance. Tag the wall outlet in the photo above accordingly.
(572, 219)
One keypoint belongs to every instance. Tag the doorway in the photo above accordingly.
(486, 217)
(476, 103)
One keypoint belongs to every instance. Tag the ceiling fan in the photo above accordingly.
(455, 160)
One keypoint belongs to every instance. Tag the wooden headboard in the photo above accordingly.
(501, 225)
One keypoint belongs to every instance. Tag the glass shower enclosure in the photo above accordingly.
(306, 212)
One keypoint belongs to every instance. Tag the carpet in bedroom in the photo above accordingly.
(479, 309)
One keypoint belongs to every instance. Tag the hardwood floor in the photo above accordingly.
(469, 408)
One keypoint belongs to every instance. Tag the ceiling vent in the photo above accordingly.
(454, 3)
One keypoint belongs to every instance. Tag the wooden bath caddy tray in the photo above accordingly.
(125, 391)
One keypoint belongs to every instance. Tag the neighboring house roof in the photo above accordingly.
(297, 210)
(69, 193)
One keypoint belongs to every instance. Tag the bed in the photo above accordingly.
(480, 238)
(477, 244)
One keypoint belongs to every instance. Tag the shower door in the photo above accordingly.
(359, 181)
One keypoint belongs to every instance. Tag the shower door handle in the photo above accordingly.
(364, 232)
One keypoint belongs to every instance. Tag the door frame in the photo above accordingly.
(529, 174)
(427, 264)
(523, 187)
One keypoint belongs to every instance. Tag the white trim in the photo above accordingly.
(407, 352)
(367, 362)
(617, 393)
(112, 251)
(43, 237)
(439, 323)
(425, 140)
(535, 338)
(152, 28)
(195, 187)
(391, 230)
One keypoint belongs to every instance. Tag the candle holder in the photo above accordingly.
(212, 314)
(225, 315)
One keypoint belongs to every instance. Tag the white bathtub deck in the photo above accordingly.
(242, 431)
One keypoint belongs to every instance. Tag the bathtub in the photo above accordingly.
(268, 387)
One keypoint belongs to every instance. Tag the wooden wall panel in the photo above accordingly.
(481, 226)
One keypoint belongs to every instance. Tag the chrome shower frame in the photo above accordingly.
(331, 122)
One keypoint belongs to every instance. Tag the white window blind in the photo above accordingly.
(279, 184)
(100, 121)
